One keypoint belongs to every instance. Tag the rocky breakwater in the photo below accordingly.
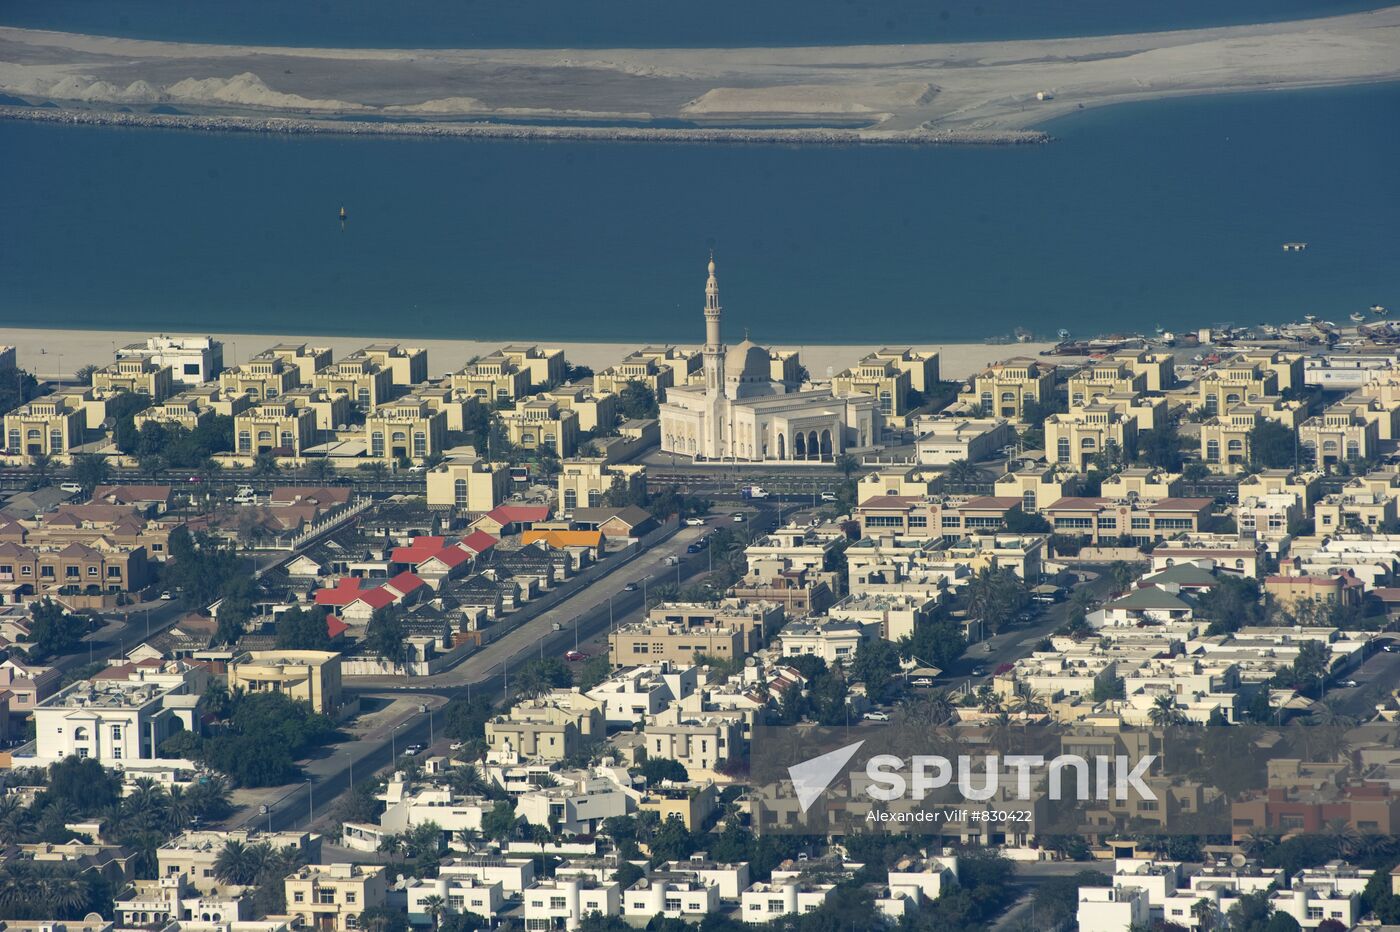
(292, 126)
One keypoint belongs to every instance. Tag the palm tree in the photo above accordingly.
(1206, 914)
(265, 464)
(236, 863)
(1026, 700)
(847, 464)
(987, 699)
(42, 466)
(467, 780)
(1122, 574)
(63, 891)
(434, 906)
(179, 809)
(1165, 712)
(320, 469)
(963, 472)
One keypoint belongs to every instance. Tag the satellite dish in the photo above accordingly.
(1238, 860)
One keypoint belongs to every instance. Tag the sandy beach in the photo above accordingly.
(52, 353)
(895, 91)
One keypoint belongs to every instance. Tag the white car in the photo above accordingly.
(695, 522)
(877, 716)
(1350, 684)
(71, 487)
(828, 496)
(922, 681)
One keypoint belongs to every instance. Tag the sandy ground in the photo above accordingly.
(892, 89)
(50, 353)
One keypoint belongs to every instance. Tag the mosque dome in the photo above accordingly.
(748, 362)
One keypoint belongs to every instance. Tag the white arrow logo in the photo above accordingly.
(811, 777)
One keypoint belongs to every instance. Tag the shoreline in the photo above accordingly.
(987, 92)
(67, 350)
(289, 126)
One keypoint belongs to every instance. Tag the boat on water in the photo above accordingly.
(342, 213)
(1380, 310)
(1063, 334)
(1310, 317)
(1294, 247)
(1357, 317)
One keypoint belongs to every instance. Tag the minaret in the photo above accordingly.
(713, 435)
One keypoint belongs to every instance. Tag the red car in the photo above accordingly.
(575, 655)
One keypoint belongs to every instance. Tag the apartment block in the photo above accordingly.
(882, 380)
(52, 424)
(260, 377)
(1341, 433)
(193, 855)
(653, 642)
(1103, 518)
(407, 366)
(595, 410)
(1143, 483)
(138, 376)
(111, 721)
(468, 485)
(584, 482)
(276, 426)
(305, 359)
(191, 360)
(563, 903)
(1004, 389)
(332, 411)
(947, 440)
(540, 423)
(494, 379)
(658, 368)
(552, 727)
(406, 429)
(1074, 439)
(360, 378)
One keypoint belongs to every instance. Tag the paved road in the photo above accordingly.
(1375, 678)
(587, 611)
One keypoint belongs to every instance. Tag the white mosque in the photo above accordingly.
(742, 414)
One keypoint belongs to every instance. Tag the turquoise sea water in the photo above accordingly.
(1169, 211)
(643, 23)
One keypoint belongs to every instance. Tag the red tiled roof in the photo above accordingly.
(378, 598)
(479, 542)
(403, 584)
(418, 550)
(452, 556)
(334, 626)
(512, 514)
(345, 591)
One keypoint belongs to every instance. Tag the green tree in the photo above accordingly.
(656, 769)
(89, 470)
(384, 636)
(53, 631)
(637, 401)
(1272, 445)
(499, 823)
(299, 629)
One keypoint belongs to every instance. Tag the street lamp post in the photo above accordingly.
(310, 804)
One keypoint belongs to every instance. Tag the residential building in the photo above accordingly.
(28, 685)
(260, 378)
(578, 807)
(1037, 486)
(563, 903)
(1225, 439)
(494, 379)
(545, 367)
(1341, 433)
(946, 440)
(674, 897)
(898, 480)
(112, 721)
(835, 642)
(701, 744)
(1288, 591)
(138, 376)
(1112, 909)
(1305, 487)
(405, 429)
(1142, 483)
(456, 895)
(407, 366)
(1078, 437)
(359, 378)
(656, 367)
(555, 726)
(540, 423)
(765, 902)
(1289, 369)
(1003, 389)
(1102, 518)
(102, 566)
(332, 411)
(191, 408)
(333, 896)
(596, 410)
(1268, 517)
(468, 485)
(310, 676)
(51, 424)
(632, 694)
(1371, 511)
(945, 516)
(1158, 370)
(193, 855)
(305, 359)
(882, 380)
(691, 803)
(191, 359)
(652, 642)
(731, 879)
(1239, 381)
(1108, 376)
(156, 903)
(275, 426)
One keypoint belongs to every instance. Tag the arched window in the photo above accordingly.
(245, 442)
(595, 498)
(1234, 446)
(420, 443)
(264, 436)
(459, 493)
(1088, 443)
(1028, 501)
(1212, 451)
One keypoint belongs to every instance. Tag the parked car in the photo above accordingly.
(574, 656)
(922, 681)
(1350, 684)
(1390, 648)
(979, 671)
(877, 716)
(71, 487)
(828, 496)
(671, 559)
(457, 745)
(166, 596)
(414, 749)
(630, 587)
(695, 521)
(694, 548)
(753, 491)
(739, 517)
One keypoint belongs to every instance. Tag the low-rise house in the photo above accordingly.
(765, 902)
(428, 897)
(577, 807)
(731, 879)
(550, 904)
(310, 676)
(193, 855)
(674, 897)
(555, 726)
(334, 896)
(632, 694)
